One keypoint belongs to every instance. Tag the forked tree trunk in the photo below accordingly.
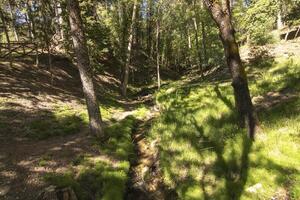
(128, 53)
(222, 17)
(83, 63)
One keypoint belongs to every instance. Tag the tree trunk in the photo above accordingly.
(239, 79)
(83, 63)
(157, 50)
(13, 20)
(7, 37)
(58, 19)
(198, 46)
(32, 30)
(149, 28)
(128, 53)
(279, 20)
(204, 42)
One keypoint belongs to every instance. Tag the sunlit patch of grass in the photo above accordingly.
(98, 180)
(44, 160)
(141, 112)
(205, 155)
(63, 121)
(105, 178)
(282, 73)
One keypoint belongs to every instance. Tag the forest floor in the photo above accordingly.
(44, 140)
(43, 127)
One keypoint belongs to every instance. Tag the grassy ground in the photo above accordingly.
(204, 154)
(104, 177)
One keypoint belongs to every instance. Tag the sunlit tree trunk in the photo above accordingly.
(58, 19)
(83, 63)
(13, 20)
(204, 42)
(222, 16)
(198, 45)
(33, 31)
(129, 49)
(157, 50)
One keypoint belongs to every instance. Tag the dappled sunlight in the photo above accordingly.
(212, 158)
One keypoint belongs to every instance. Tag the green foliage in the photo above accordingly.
(292, 18)
(256, 21)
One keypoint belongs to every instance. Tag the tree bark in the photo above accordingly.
(149, 27)
(32, 31)
(129, 48)
(83, 63)
(13, 20)
(157, 50)
(7, 37)
(222, 17)
(204, 42)
(198, 46)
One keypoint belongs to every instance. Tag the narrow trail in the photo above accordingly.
(145, 177)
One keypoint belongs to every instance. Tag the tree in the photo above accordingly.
(129, 48)
(221, 14)
(83, 63)
(2, 16)
(157, 47)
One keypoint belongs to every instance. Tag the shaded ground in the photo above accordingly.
(43, 131)
(24, 162)
(32, 107)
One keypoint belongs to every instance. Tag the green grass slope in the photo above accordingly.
(205, 155)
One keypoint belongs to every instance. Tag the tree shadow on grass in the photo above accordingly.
(209, 157)
(103, 178)
(24, 161)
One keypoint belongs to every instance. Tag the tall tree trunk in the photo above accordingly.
(32, 30)
(58, 19)
(157, 50)
(83, 63)
(204, 42)
(13, 20)
(149, 27)
(129, 48)
(222, 17)
(198, 46)
(279, 20)
(7, 36)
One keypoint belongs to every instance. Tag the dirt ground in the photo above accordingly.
(26, 92)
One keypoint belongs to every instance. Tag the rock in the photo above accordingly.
(255, 188)
(53, 193)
